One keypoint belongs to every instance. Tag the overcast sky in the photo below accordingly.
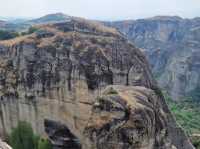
(101, 9)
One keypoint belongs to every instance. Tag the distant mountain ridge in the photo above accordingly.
(51, 18)
(24, 24)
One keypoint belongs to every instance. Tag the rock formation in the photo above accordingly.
(4, 145)
(172, 47)
(54, 79)
(133, 118)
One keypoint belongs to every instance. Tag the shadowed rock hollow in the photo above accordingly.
(58, 73)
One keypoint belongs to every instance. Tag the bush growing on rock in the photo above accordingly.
(32, 30)
(44, 144)
(23, 137)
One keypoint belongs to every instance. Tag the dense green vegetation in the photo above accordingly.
(23, 137)
(5, 35)
(44, 144)
(187, 114)
(30, 31)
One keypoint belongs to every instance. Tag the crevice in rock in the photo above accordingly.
(60, 135)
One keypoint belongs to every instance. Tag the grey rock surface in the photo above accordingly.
(171, 45)
(57, 74)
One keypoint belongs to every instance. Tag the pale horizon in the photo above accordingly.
(101, 10)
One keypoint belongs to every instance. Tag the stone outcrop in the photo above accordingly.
(135, 118)
(172, 48)
(54, 77)
(4, 145)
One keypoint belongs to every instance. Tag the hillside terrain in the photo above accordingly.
(84, 85)
(51, 18)
(172, 47)
(12, 26)
(21, 25)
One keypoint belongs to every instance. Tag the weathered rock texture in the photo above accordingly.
(133, 118)
(172, 47)
(57, 73)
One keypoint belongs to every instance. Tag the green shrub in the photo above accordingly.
(5, 35)
(22, 137)
(36, 141)
(44, 144)
(32, 30)
(196, 141)
(29, 31)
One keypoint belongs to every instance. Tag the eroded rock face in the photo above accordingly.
(57, 74)
(172, 47)
(133, 118)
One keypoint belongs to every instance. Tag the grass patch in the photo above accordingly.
(187, 114)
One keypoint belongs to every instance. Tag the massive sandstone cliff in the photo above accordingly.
(56, 77)
(172, 47)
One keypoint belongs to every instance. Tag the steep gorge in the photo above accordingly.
(171, 45)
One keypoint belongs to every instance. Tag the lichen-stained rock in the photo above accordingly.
(57, 73)
(74, 50)
(64, 65)
(133, 118)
